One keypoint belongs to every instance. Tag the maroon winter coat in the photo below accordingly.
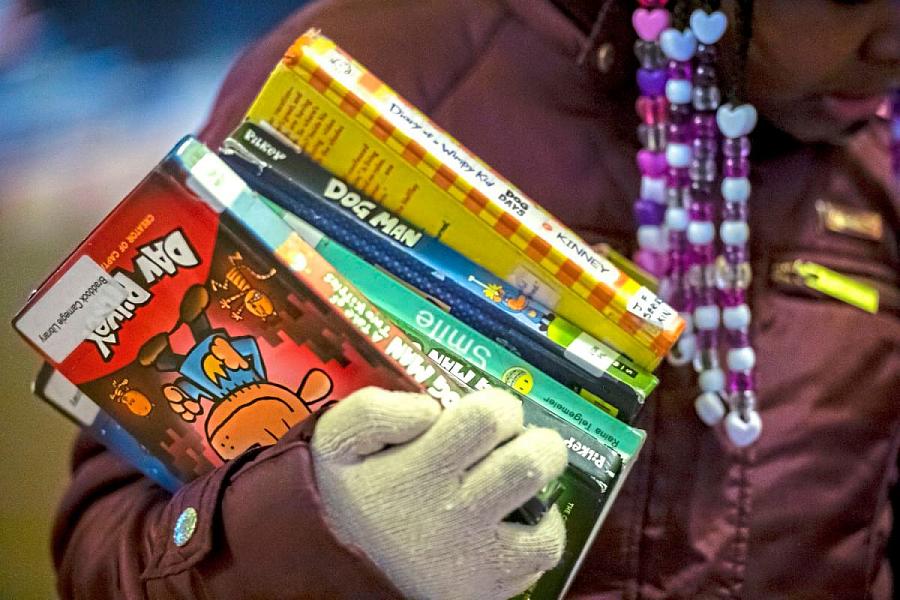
(803, 514)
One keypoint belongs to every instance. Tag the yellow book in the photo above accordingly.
(355, 126)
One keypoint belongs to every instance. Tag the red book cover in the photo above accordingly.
(196, 337)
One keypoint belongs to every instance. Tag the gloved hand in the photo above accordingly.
(428, 509)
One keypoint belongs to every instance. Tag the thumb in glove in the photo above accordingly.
(424, 492)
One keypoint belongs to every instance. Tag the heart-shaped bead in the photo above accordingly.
(742, 432)
(735, 122)
(650, 23)
(678, 45)
(652, 164)
(708, 27)
(652, 82)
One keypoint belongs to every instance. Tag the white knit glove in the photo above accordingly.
(428, 510)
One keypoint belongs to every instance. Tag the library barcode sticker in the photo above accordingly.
(70, 310)
(650, 307)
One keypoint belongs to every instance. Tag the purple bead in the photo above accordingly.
(737, 167)
(648, 212)
(651, 82)
(736, 147)
(738, 338)
(707, 338)
(734, 211)
(702, 211)
(705, 147)
(735, 255)
(680, 113)
(703, 191)
(732, 297)
(678, 178)
(740, 381)
(705, 125)
(680, 70)
(679, 131)
(703, 255)
(706, 54)
(705, 75)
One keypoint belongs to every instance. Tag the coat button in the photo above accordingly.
(185, 526)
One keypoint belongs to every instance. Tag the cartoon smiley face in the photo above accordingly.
(519, 379)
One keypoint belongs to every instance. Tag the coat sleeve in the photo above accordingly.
(259, 532)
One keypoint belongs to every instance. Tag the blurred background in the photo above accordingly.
(92, 95)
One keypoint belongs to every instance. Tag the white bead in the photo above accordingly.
(678, 91)
(741, 359)
(736, 189)
(678, 155)
(676, 218)
(736, 317)
(710, 408)
(684, 351)
(701, 233)
(712, 380)
(734, 233)
(653, 188)
(743, 433)
(706, 317)
(652, 237)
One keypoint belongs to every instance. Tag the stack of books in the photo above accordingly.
(339, 239)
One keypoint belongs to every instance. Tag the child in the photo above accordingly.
(795, 504)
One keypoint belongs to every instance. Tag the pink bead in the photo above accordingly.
(652, 110)
(653, 3)
(651, 262)
(652, 164)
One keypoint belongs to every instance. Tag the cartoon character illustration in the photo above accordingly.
(496, 293)
(134, 399)
(518, 379)
(228, 372)
(521, 303)
(238, 277)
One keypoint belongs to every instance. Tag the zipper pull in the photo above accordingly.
(826, 281)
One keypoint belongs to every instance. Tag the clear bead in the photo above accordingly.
(731, 276)
(705, 75)
(678, 196)
(704, 170)
(742, 401)
(652, 137)
(706, 98)
(650, 55)
(702, 276)
(736, 147)
(706, 359)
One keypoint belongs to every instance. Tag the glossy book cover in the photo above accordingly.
(201, 338)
